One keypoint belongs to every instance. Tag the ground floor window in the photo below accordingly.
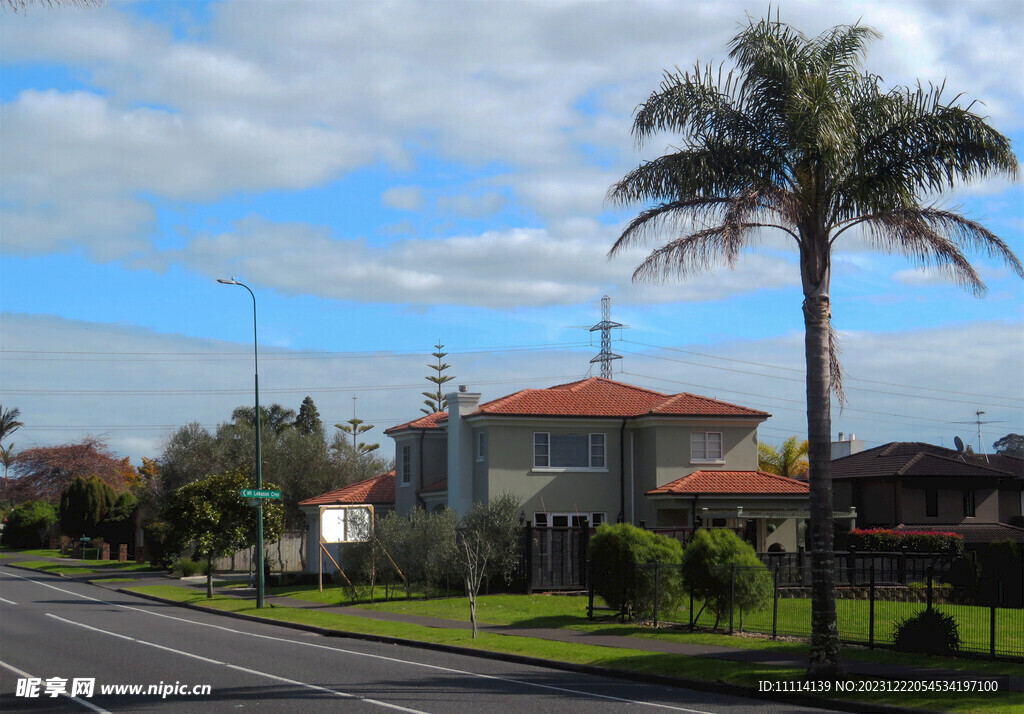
(543, 519)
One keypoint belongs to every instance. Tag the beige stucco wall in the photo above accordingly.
(435, 465)
(508, 466)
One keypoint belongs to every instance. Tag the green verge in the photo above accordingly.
(48, 567)
(36, 552)
(627, 660)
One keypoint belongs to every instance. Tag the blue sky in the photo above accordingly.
(387, 175)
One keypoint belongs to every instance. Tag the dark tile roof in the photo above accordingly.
(915, 459)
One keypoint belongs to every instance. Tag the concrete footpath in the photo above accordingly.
(854, 668)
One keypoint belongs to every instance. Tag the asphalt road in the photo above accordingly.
(56, 628)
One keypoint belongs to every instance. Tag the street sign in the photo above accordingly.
(259, 493)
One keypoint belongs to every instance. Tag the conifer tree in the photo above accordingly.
(435, 400)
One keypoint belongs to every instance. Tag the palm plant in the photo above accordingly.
(788, 460)
(800, 140)
(9, 421)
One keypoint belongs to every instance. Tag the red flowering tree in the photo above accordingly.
(45, 472)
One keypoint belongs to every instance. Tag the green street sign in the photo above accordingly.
(259, 493)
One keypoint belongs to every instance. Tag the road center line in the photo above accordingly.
(9, 602)
(256, 672)
(76, 700)
(339, 650)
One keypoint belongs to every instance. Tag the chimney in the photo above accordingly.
(840, 436)
(460, 449)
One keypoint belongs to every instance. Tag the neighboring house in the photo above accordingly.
(915, 485)
(378, 492)
(597, 450)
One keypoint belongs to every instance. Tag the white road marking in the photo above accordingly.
(26, 675)
(424, 665)
(344, 695)
(9, 602)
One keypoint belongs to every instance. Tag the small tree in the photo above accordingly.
(308, 421)
(708, 567)
(615, 553)
(27, 524)
(1010, 445)
(789, 460)
(486, 541)
(355, 427)
(213, 514)
(85, 505)
(435, 401)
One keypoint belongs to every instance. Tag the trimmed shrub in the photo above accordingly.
(186, 567)
(884, 540)
(617, 554)
(708, 569)
(928, 632)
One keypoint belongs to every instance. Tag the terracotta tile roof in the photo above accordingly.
(607, 398)
(973, 532)
(916, 459)
(441, 485)
(429, 421)
(379, 490)
(738, 482)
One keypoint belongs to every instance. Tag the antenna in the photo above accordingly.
(605, 326)
(981, 444)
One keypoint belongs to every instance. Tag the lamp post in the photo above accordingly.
(259, 452)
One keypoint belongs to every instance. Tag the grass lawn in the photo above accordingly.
(49, 567)
(853, 618)
(504, 610)
(38, 552)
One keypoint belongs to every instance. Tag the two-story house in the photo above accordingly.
(916, 485)
(597, 450)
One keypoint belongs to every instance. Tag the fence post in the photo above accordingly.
(871, 607)
(775, 601)
(992, 630)
(528, 548)
(903, 565)
(656, 583)
(931, 573)
(590, 593)
(732, 595)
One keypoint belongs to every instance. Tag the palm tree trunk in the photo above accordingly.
(824, 658)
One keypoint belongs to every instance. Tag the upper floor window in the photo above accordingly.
(969, 504)
(706, 446)
(406, 464)
(480, 446)
(568, 451)
(567, 520)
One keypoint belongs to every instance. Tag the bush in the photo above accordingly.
(928, 632)
(708, 569)
(186, 567)
(884, 540)
(27, 524)
(615, 553)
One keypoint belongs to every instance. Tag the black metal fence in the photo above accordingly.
(869, 605)
(555, 558)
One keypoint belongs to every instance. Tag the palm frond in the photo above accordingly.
(697, 252)
(910, 234)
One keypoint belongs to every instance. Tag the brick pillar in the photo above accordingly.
(122, 553)
(106, 552)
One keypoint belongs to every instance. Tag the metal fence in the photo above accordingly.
(988, 611)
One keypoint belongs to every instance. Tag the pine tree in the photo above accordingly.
(308, 421)
(355, 427)
(436, 400)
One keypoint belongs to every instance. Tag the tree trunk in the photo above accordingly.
(209, 576)
(472, 605)
(824, 657)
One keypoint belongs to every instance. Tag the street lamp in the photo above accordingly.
(259, 451)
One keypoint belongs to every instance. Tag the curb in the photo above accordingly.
(701, 685)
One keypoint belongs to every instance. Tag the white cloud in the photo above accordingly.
(564, 265)
(404, 198)
(473, 206)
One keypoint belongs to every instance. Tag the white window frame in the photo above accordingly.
(595, 441)
(705, 459)
(544, 519)
(406, 465)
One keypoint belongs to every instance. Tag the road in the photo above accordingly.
(52, 627)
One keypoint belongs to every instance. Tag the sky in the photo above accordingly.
(390, 176)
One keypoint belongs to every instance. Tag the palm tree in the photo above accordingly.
(788, 460)
(799, 139)
(9, 421)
